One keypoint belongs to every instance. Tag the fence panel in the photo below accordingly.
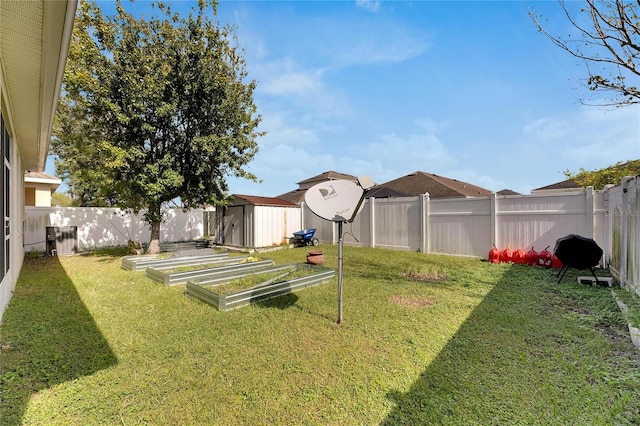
(324, 228)
(397, 223)
(470, 226)
(633, 235)
(624, 210)
(459, 226)
(107, 227)
(538, 221)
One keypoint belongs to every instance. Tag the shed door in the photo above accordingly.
(233, 226)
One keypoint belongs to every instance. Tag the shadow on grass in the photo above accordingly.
(280, 302)
(532, 352)
(47, 337)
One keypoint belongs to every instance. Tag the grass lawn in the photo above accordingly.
(425, 339)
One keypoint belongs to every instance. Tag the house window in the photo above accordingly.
(5, 184)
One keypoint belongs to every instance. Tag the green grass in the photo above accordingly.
(425, 339)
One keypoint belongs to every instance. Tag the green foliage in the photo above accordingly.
(85, 342)
(609, 175)
(62, 200)
(154, 110)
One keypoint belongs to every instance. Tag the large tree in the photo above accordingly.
(606, 36)
(155, 110)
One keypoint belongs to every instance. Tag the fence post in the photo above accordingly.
(424, 223)
(607, 223)
(589, 211)
(493, 219)
(624, 238)
(372, 222)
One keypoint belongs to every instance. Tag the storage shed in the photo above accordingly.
(254, 221)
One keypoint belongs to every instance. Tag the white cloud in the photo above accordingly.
(591, 137)
(364, 46)
(372, 5)
(547, 128)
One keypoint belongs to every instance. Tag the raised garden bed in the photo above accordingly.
(212, 292)
(140, 263)
(229, 267)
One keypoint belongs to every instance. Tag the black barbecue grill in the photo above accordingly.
(576, 251)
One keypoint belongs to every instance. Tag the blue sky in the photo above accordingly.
(466, 90)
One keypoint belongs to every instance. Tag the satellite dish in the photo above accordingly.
(336, 200)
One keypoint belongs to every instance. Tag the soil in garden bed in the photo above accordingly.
(218, 263)
(260, 279)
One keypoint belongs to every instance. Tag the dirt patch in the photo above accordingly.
(412, 302)
(426, 276)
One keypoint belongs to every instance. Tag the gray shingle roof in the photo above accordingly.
(418, 183)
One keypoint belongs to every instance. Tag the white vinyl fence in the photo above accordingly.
(464, 226)
(624, 241)
(471, 226)
(107, 227)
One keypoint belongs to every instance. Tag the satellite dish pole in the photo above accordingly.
(339, 202)
(340, 243)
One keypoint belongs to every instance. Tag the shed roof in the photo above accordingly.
(419, 183)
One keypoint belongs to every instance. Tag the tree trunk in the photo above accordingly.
(155, 222)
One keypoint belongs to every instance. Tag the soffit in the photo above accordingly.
(34, 39)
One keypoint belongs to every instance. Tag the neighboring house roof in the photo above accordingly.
(384, 192)
(297, 195)
(419, 183)
(323, 177)
(507, 192)
(34, 177)
(239, 200)
(565, 184)
(34, 38)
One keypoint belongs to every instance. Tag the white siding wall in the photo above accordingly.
(275, 225)
(17, 216)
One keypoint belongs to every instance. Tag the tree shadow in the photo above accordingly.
(47, 337)
(464, 380)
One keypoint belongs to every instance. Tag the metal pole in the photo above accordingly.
(340, 272)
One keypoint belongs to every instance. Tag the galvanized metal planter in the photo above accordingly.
(230, 267)
(206, 291)
(140, 263)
